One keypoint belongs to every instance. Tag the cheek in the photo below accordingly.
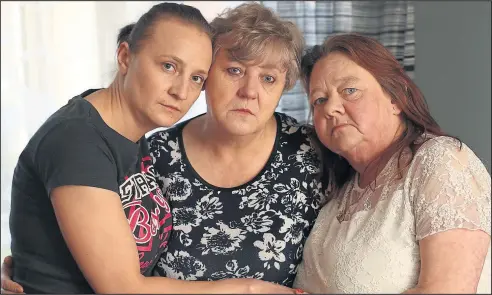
(364, 116)
(221, 93)
(193, 95)
(147, 73)
(319, 117)
(321, 126)
(270, 96)
(153, 83)
(268, 104)
(216, 96)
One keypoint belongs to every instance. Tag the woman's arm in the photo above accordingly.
(451, 262)
(451, 206)
(96, 231)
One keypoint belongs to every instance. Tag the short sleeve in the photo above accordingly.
(451, 189)
(73, 153)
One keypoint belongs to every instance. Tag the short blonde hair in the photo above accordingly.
(250, 29)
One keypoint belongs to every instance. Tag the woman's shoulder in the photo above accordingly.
(442, 147)
(299, 138)
(298, 148)
(77, 120)
(165, 143)
(161, 135)
(449, 154)
(433, 143)
(63, 129)
(287, 119)
(289, 125)
(164, 135)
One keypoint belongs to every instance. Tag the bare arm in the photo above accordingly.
(96, 231)
(452, 217)
(451, 262)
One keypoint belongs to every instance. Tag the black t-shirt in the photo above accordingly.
(75, 147)
(255, 230)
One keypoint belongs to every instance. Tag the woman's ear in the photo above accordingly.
(396, 108)
(123, 55)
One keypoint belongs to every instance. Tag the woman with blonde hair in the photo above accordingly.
(243, 180)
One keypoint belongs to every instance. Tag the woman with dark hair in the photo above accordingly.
(237, 228)
(87, 213)
(410, 208)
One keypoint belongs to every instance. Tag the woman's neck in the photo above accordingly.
(224, 144)
(116, 113)
(370, 164)
(374, 168)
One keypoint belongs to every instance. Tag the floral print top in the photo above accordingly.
(256, 230)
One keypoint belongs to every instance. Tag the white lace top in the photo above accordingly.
(375, 248)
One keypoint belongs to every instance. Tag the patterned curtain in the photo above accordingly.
(391, 22)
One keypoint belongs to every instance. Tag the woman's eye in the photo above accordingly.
(269, 79)
(319, 101)
(169, 67)
(198, 79)
(234, 71)
(350, 91)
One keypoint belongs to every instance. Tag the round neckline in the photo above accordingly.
(386, 167)
(356, 189)
(188, 165)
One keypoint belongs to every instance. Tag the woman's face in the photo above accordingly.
(242, 96)
(352, 114)
(165, 76)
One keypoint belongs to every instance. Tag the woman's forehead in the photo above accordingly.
(266, 59)
(339, 68)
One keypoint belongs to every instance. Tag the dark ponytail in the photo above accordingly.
(124, 34)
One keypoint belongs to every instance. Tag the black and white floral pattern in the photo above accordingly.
(180, 265)
(256, 230)
(221, 240)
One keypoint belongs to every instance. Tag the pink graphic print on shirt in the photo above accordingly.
(146, 224)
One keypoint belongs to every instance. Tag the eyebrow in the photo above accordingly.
(347, 79)
(267, 66)
(271, 67)
(202, 72)
(314, 90)
(180, 61)
(343, 80)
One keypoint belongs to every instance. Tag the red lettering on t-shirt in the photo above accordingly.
(139, 219)
(146, 222)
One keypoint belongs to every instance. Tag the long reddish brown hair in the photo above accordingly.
(377, 60)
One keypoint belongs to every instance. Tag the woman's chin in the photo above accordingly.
(241, 128)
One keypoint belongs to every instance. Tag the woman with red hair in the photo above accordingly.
(410, 207)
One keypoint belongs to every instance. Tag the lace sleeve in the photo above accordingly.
(451, 189)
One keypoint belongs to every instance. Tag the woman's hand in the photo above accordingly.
(9, 286)
(262, 287)
(241, 286)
